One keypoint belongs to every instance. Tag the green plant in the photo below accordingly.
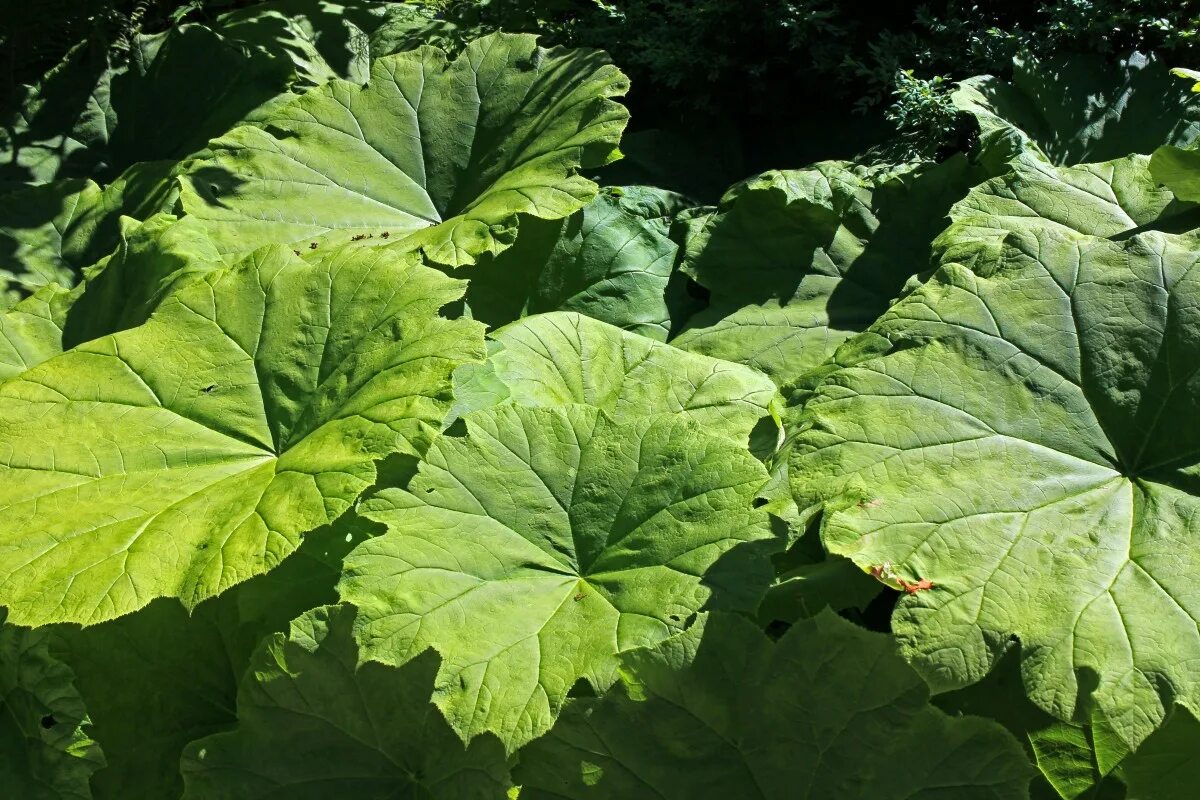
(356, 440)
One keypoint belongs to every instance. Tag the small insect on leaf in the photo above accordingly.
(358, 237)
(209, 388)
(579, 597)
(297, 252)
(385, 234)
(312, 246)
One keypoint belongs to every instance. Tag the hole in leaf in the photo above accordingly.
(49, 721)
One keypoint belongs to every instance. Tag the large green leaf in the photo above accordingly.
(45, 751)
(1021, 436)
(314, 725)
(1075, 760)
(1179, 170)
(31, 331)
(163, 676)
(1043, 210)
(49, 233)
(610, 261)
(1080, 107)
(563, 358)
(150, 260)
(96, 114)
(441, 154)
(534, 550)
(326, 40)
(799, 261)
(316, 36)
(720, 711)
(191, 453)
(1165, 766)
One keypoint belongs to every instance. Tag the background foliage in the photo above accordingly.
(724, 65)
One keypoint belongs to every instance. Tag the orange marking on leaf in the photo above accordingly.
(922, 585)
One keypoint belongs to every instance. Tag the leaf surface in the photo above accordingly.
(46, 750)
(798, 261)
(532, 551)
(563, 358)
(610, 261)
(441, 154)
(314, 725)
(1080, 107)
(720, 711)
(193, 452)
(1017, 435)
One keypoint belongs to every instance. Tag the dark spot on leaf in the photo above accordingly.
(312, 246)
(673, 617)
(49, 721)
(385, 235)
(759, 502)
(429, 490)
(208, 389)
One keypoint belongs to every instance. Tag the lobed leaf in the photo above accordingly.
(193, 452)
(440, 154)
(532, 551)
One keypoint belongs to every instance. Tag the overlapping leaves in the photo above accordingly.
(191, 453)
(799, 261)
(1004, 434)
(538, 550)
(563, 358)
(46, 751)
(441, 154)
(1080, 107)
(830, 710)
(532, 551)
(299, 735)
